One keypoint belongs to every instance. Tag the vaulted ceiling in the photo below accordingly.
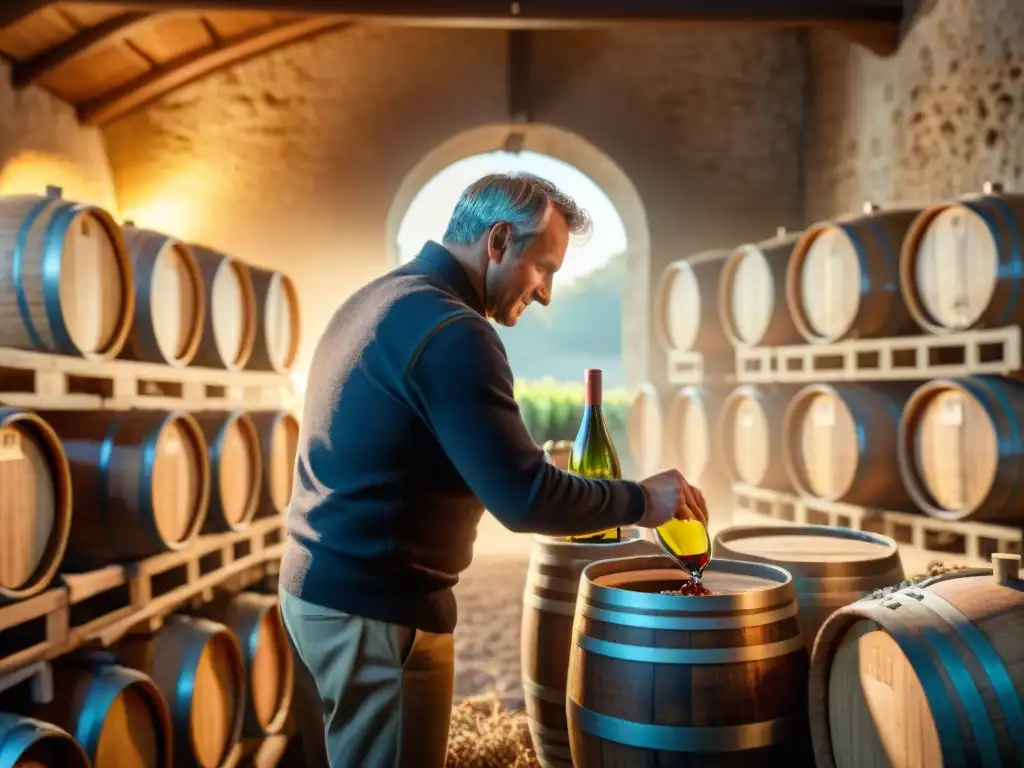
(109, 58)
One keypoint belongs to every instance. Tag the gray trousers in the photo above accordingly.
(386, 689)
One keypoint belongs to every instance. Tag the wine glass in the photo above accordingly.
(688, 543)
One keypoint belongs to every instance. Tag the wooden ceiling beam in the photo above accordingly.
(13, 11)
(568, 12)
(191, 66)
(24, 73)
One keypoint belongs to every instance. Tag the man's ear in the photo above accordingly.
(498, 241)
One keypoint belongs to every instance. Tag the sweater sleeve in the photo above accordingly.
(462, 384)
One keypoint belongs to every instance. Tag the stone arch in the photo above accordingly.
(591, 160)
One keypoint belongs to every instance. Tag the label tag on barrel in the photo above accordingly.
(952, 413)
(10, 445)
(825, 413)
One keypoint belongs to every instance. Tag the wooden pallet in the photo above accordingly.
(971, 543)
(694, 368)
(909, 358)
(38, 380)
(98, 608)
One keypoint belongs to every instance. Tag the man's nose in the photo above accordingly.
(542, 296)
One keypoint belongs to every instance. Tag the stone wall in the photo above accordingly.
(937, 119)
(292, 160)
(41, 143)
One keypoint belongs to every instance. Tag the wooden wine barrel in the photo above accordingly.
(70, 286)
(840, 443)
(28, 743)
(198, 666)
(277, 322)
(117, 714)
(752, 294)
(645, 430)
(140, 480)
(962, 266)
(750, 429)
(960, 449)
(279, 438)
(686, 304)
(269, 670)
(831, 567)
(691, 445)
(548, 605)
(929, 677)
(170, 306)
(667, 680)
(842, 281)
(229, 331)
(35, 503)
(236, 469)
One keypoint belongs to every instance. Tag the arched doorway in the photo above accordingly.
(591, 161)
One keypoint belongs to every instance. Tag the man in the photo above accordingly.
(410, 430)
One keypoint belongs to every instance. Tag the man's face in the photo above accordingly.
(515, 280)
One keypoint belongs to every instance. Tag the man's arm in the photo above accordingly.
(462, 384)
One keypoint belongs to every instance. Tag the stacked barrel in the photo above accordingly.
(908, 676)
(81, 490)
(675, 426)
(878, 436)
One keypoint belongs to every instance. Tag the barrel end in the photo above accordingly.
(1005, 567)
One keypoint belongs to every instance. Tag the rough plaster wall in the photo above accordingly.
(42, 143)
(292, 160)
(937, 119)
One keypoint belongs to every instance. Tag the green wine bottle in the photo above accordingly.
(593, 452)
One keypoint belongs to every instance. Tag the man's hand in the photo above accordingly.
(668, 496)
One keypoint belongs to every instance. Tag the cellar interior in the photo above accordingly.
(821, 308)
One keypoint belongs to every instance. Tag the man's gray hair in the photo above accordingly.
(522, 200)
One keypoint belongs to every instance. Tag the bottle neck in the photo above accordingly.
(592, 390)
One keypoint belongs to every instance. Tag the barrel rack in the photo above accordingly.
(888, 310)
(53, 358)
(995, 351)
(91, 611)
